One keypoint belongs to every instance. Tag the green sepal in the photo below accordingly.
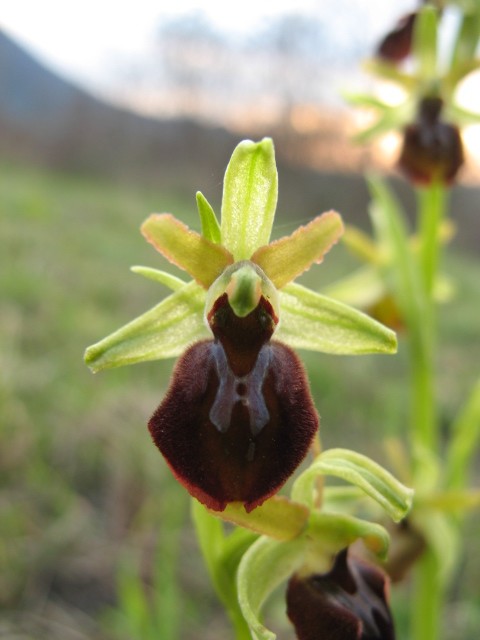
(285, 259)
(208, 219)
(277, 518)
(467, 39)
(329, 533)
(265, 566)
(318, 323)
(391, 72)
(162, 277)
(362, 288)
(392, 118)
(463, 117)
(249, 201)
(361, 245)
(187, 249)
(162, 332)
(350, 466)
(425, 42)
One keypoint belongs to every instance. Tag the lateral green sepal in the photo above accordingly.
(318, 323)
(162, 332)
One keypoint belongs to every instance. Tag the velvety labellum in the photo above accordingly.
(350, 602)
(238, 417)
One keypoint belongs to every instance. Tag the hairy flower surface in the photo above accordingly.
(238, 417)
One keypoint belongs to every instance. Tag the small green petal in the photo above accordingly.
(394, 497)
(244, 290)
(210, 225)
(163, 332)
(287, 258)
(190, 251)
(162, 277)
(249, 198)
(315, 322)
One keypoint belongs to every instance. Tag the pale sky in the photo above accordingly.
(83, 40)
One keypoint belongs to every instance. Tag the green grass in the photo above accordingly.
(94, 534)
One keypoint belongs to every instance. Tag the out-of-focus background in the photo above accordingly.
(108, 113)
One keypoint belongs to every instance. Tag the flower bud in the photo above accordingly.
(397, 44)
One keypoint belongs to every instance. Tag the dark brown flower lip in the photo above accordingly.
(230, 438)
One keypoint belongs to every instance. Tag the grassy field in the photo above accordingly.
(94, 534)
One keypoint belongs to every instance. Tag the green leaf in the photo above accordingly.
(425, 42)
(391, 231)
(210, 225)
(391, 72)
(249, 198)
(311, 321)
(466, 44)
(464, 441)
(287, 258)
(442, 536)
(265, 565)
(394, 497)
(185, 248)
(162, 277)
(463, 117)
(163, 332)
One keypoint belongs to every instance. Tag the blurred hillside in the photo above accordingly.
(46, 120)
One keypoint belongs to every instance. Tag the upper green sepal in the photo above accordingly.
(249, 201)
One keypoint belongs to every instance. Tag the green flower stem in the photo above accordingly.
(428, 592)
(431, 203)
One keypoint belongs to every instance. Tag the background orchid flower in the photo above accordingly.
(429, 113)
(238, 418)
